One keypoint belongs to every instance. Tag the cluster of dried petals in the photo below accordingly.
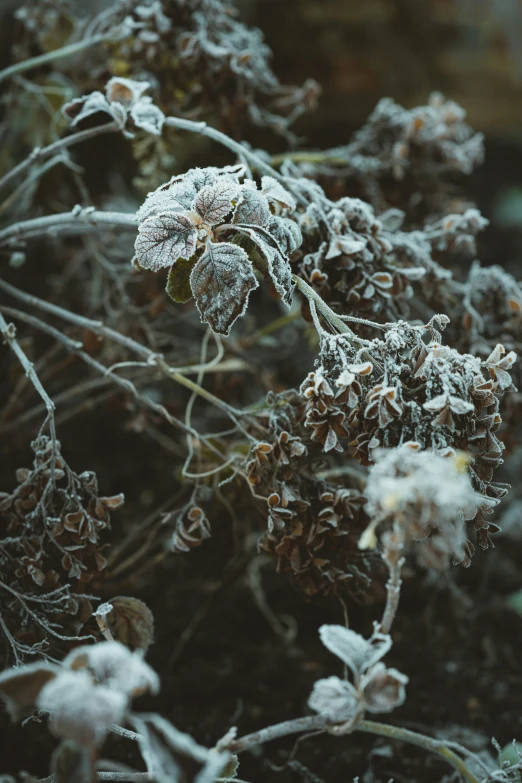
(411, 391)
(192, 529)
(375, 688)
(219, 62)
(56, 520)
(313, 531)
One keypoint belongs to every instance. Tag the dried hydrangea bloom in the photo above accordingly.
(412, 391)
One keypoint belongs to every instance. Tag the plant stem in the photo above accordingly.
(421, 741)
(307, 156)
(326, 311)
(57, 54)
(393, 594)
(236, 147)
(321, 723)
(9, 333)
(77, 221)
(40, 153)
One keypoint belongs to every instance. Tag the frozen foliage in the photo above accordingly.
(427, 498)
(90, 691)
(364, 264)
(190, 219)
(426, 394)
(170, 754)
(217, 55)
(375, 688)
(124, 102)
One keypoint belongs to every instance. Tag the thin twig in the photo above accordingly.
(78, 221)
(57, 54)
(9, 333)
(239, 149)
(321, 723)
(41, 153)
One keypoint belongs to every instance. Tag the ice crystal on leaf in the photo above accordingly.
(186, 220)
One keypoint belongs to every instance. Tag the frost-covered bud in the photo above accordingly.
(79, 709)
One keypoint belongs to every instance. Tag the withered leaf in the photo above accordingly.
(19, 687)
(162, 239)
(131, 622)
(221, 283)
(178, 281)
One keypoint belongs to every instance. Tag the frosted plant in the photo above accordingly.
(212, 228)
(125, 102)
(427, 498)
(90, 691)
(375, 688)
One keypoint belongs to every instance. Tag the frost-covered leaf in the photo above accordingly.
(178, 281)
(115, 666)
(147, 116)
(252, 208)
(80, 710)
(171, 755)
(221, 282)
(355, 651)
(287, 234)
(179, 193)
(348, 245)
(334, 698)
(384, 689)
(20, 686)
(273, 264)
(277, 194)
(162, 239)
(214, 202)
(71, 763)
(80, 108)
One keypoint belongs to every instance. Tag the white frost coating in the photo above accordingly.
(115, 667)
(252, 208)
(80, 710)
(162, 239)
(214, 202)
(375, 688)
(335, 698)
(406, 482)
(123, 99)
(353, 649)
(221, 282)
(277, 194)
